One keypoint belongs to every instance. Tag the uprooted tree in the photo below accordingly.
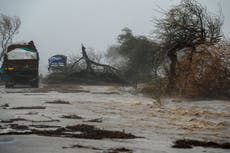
(91, 65)
(183, 28)
(9, 27)
(87, 69)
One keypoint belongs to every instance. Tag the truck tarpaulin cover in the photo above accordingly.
(60, 59)
(22, 53)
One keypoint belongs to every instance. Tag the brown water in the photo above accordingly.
(118, 109)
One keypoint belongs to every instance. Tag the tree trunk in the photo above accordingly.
(87, 60)
(190, 58)
(172, 72)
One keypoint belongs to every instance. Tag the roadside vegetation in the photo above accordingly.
(187, 55)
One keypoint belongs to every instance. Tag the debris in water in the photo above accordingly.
(80, 127)
(81, 146)
(5, 105)
(118, 150)
(90, 132)
(72, 116)
(31, 113)
(13, 120)
(182, 144)
(45, 126)
(58, 102)
(22, 119)
(29, 107)
(19, 127)
(98, 120)
(86, 132)
(186, 143)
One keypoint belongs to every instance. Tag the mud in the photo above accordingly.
(57, 102)
(29, 107)
(188, 144)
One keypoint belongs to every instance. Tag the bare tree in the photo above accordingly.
(9, 27)
(186, 25)
(90, 64)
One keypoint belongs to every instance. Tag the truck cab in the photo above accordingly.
(57, 63)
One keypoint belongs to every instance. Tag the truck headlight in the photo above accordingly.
(9, 68)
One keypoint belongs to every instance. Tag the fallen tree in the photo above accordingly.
(90, 63)
(91, 73)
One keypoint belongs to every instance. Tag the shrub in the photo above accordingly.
(207, 74)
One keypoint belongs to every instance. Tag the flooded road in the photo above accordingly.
(112, 108)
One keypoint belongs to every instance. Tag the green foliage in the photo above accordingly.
(141, 56)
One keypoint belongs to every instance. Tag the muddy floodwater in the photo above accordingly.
(118, 120)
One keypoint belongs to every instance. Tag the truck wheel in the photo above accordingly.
(9, 85)
(6, 85)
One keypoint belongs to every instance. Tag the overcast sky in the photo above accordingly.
(60, 26)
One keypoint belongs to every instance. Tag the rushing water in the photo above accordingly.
(158, 124)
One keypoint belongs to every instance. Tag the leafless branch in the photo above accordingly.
(9, 27)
